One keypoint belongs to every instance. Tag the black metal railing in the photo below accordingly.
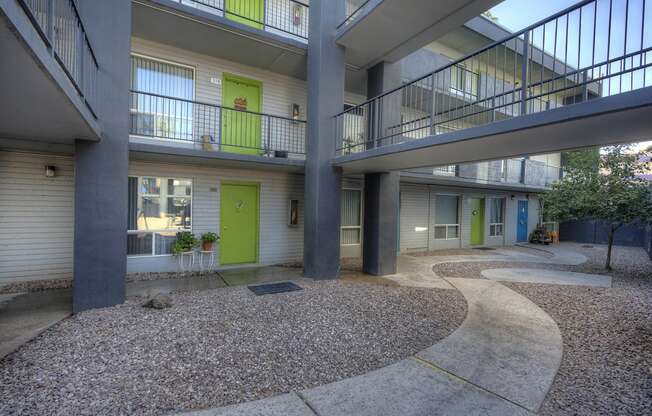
(283, 17)
(61, 28)
(596, 48)
(352, 9)
(522, 171)
(215, 128)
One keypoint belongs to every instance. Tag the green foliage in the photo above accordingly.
(209, 237)
(186, 241)
(601, 185)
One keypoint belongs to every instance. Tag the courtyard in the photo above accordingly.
(514, 330)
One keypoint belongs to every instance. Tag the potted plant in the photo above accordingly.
(208, 241)
(186, 241)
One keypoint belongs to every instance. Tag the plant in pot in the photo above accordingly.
(208, 241)
(186, 241)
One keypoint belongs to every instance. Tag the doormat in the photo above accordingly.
(483, 248)
(271, 288)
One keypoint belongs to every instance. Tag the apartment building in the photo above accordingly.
(224, 116)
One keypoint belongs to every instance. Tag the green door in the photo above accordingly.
(239, 222)
(477, 221)
(247, 12)
(241, 126)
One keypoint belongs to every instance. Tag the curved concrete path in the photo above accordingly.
(556, 277)
(501, 361)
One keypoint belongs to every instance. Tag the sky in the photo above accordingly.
(519, 14)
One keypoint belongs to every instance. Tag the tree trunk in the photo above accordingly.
(612, 230)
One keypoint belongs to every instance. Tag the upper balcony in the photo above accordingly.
(579, 78)
(52, 67)
(267, 34)
(518, 174)
(388, 30)
(165, 125)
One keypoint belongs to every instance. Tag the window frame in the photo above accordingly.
(447, 226)
(354, 227)
(157, 231)
(494, 225)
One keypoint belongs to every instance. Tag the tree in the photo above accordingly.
(601, 184)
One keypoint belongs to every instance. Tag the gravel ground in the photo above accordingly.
(220, 347)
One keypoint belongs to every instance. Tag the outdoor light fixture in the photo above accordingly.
(512, 197)
(50, 171)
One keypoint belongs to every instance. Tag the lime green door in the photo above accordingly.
(239, 223)
(241, 126)
(247, 12)
(477, 221)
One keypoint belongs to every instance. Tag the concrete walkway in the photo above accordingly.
(500, 361)
(556, 277)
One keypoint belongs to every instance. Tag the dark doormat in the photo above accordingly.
(271, 288)
(483, 248)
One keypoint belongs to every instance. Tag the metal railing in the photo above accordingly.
(215, 128)
(352, 10)
(507, 171)
(60, 27)
(596, 48)
(283, 17)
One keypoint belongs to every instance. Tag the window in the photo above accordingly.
(158, 208)
(464, 82)
(351, 216)
(497, 216)
(447, 225)
(449, 170)
(161, 104)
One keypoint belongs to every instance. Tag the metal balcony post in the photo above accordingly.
(81, 63)
(219, 129)
(269, 136)
(50, 23)
(433, 129)
(524, 72)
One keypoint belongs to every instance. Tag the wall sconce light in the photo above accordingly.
(527, 196)
(293, 213)
(296, 111)
(50, 171)
(512, 197)
(297, 12)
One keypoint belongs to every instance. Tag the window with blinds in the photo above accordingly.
(161, 99)
(351, 217)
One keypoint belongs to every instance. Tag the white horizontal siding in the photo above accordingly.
(414, 220)
(278, 241)
(37, 218)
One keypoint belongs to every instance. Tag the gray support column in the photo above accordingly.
(326, 71)
(101, 168)
(383, 77)
(381, 216)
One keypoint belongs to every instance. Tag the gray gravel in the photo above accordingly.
(220, 347)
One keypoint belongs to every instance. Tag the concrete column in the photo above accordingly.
(381, 193)
(326, 71)
(100, 246)
(381, 216)
(383, 77)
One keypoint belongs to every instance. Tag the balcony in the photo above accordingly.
(579, 78)
(54, 66)
(412, 24)
(513, 174)
(272, 37)
(191, 128)
(282, 17)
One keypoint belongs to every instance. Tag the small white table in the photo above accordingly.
(186, 262)
(210, 261)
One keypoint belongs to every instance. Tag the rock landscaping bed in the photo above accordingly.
(219, 347)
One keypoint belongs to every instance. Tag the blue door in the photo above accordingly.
(521, 230)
